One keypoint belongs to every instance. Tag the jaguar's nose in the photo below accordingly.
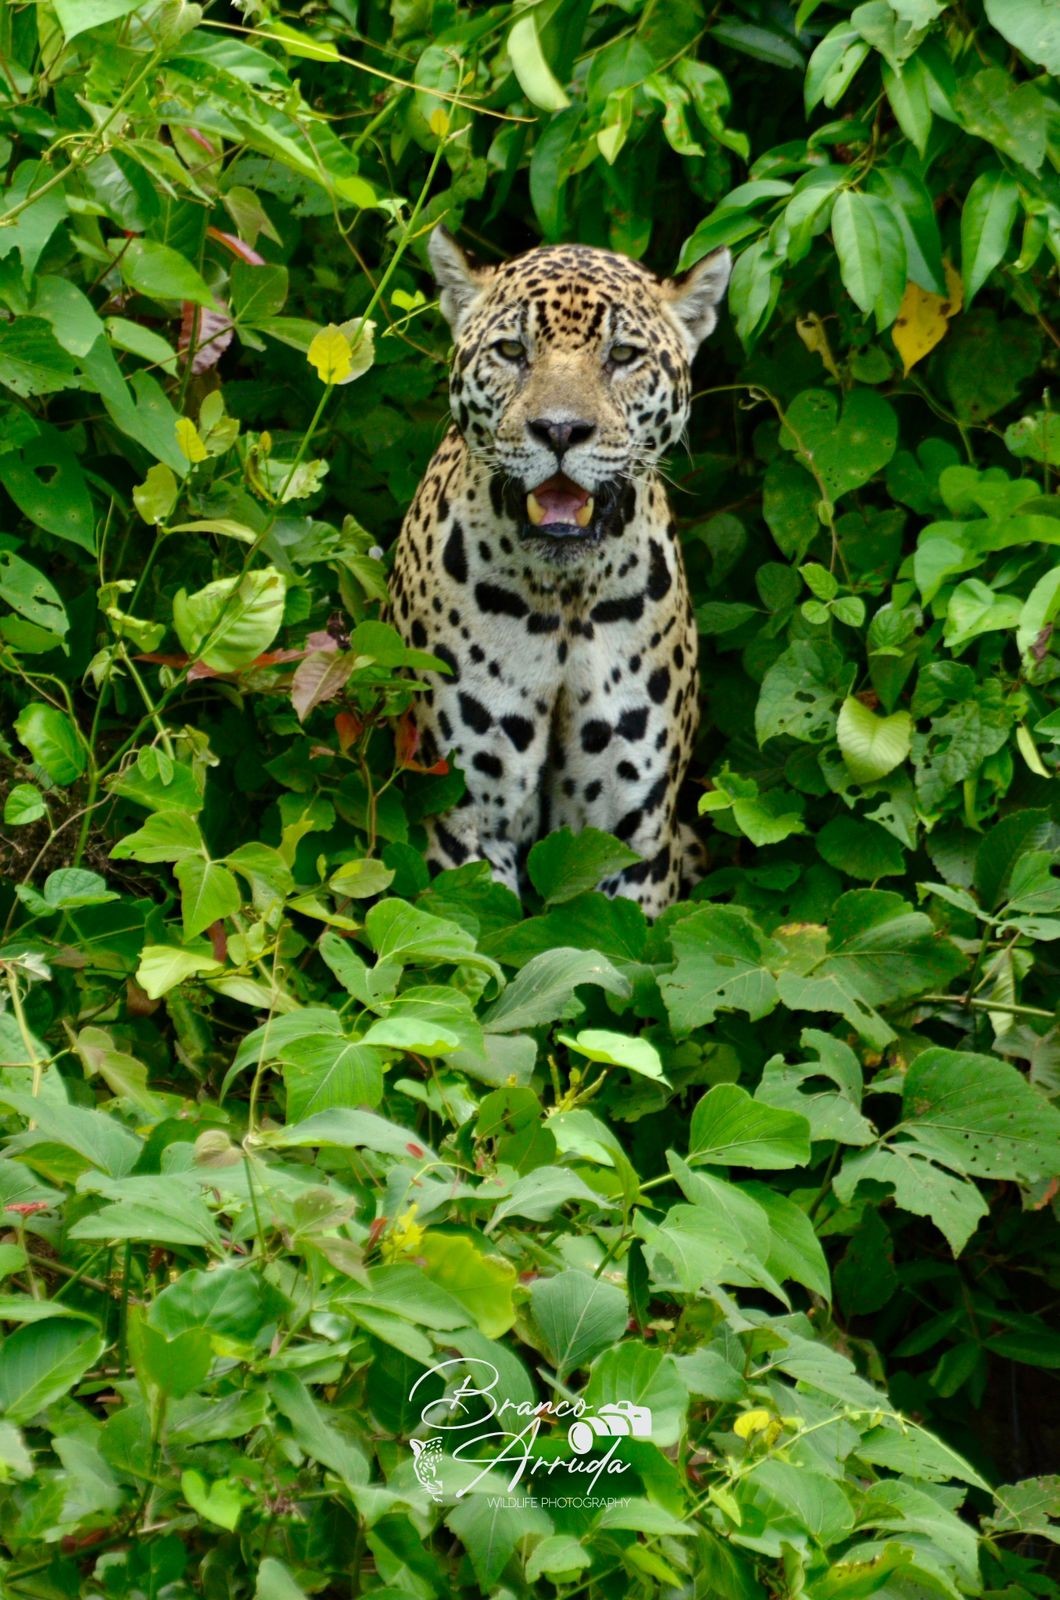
(560, 433)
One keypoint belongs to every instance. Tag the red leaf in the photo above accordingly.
(219, 940)
(232, 242)
(201, 141)
(415, 1149)
(207, 334)
(320, 676)
(28, 1208)
(348, 727)
(406, 744)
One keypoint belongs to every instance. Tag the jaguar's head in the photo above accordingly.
(570, 376)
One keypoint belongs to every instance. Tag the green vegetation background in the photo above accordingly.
(287, 1124)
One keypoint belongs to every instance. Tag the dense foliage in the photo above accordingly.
(289, 1125)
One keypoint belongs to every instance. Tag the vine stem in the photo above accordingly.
(1004, 1007)
(28, 1041)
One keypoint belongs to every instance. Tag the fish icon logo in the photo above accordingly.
(425, 1466)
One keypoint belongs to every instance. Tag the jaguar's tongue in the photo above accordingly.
(559, 500)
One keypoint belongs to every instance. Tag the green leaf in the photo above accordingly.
(23, 804)
(482, 1283)
(221, 1502)
(32, 361)
(540, 1193)
(70, 312)
(208, 893)
(729, 1129)
(343, 1128)
(161, 273)
(877, 950)
(29, 593)
(70, 887)
(826, 1090)
(1031, 1507)
(228, 624)
(321, 1071)
(163, 967)
(861, 849)
(800, 691)
(405, 936)
(577, 1316)
(361, 880)
(780, 1490)
(536, 78)
(908, 1448)
(843, 452)
(1032, 26)
(979, 1116)
(42, 1362)
(989, 211)
(567, 864)
(858, 246)
(49, 736)
(275, 1582)
(545, 989)
(78, 16)
(872, 746)
(45, 481)
(157, 782)
(954, 1205)
(723, 964)
(616, 1050)
(159, 1207)
(795, 1252)
(314, 1432)
(157, 495)
(641, 1375)
(165, 836)
(258, 291)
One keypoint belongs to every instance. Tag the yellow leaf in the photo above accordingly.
(330, 354)
(438, 122)
(751, 1422)
(811, 331)
(188, 438)
(923, 318)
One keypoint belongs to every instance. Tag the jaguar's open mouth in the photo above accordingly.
(559, 507)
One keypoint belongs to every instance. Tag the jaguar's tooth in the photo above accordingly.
(534, 509)
(585, 515)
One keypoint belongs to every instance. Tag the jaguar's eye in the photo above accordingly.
(511, 349)
(621, 355)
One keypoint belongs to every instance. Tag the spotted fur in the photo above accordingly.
(572, 698)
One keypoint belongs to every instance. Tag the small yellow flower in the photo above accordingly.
(404, 1237)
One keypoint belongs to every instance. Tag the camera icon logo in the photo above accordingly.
(621, 1419)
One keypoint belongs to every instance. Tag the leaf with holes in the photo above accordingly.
(979, 1116)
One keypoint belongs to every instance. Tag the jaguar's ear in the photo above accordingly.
(459, 282)
(694, 296)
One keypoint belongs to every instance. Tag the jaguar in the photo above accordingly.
(539, 561)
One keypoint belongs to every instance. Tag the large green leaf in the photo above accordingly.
(724, 963)
(544, 989)
(979, 1116)
(577, 1316)
(42, 1362)
(567, 864)
(49, 736)
(230, 622)
(876, 950)
(729, 1129)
